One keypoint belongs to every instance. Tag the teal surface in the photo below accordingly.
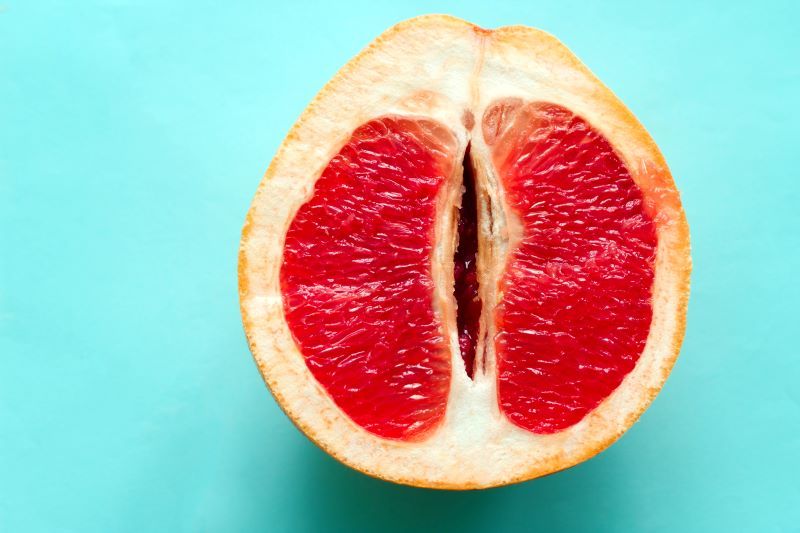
(132, 137)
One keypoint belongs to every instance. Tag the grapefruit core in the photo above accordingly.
(468, 264)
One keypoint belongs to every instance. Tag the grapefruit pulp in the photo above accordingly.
(468, 264)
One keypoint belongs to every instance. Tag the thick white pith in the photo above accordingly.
(456, 68)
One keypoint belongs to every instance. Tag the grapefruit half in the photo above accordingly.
(468, 264)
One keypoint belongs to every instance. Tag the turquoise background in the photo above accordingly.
(132, 138)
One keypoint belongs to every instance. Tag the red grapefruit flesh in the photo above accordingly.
(458, 303)
(576, 309)
(356, 277)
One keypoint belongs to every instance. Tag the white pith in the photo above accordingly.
(456, 68)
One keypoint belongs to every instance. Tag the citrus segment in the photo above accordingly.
(356, 277)
(576, 307)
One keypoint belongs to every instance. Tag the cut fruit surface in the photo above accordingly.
(468, 263)
(576, 308)
(356, 278)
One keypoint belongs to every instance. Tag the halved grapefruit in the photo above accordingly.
(468, 264)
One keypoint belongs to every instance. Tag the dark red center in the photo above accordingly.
(468, 304)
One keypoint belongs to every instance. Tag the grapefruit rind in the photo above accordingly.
(456, 66)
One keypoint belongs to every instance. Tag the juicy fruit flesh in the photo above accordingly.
(577, 307)
(356, 277)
